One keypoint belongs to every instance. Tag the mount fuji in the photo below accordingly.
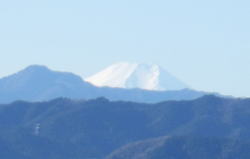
(134, 75)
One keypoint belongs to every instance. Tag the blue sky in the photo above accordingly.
(204, 43)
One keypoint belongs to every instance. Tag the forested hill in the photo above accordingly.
(64, 128)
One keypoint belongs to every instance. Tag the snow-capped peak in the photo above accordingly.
(134, 75)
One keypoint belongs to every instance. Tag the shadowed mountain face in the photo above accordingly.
(184, 148)
(37, 83)
(40, 83)
(63, 129)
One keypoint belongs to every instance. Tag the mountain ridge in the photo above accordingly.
(38, 83)
(99, 127)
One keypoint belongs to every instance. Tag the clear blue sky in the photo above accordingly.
(204, 43)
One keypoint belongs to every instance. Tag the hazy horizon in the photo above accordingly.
(204, 43)
(124, 79)
(85, 77)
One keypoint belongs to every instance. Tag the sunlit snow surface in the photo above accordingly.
(133, 75)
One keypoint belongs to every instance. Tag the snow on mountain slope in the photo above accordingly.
(133, 75)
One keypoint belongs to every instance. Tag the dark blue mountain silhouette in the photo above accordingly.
(37, 83)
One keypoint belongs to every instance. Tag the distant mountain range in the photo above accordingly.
(134, 75)
(205, 128)
(38, 83)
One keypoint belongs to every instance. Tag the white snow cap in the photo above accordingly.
(134, 75)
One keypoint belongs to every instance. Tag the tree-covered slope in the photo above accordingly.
(64, 128)
(184, 148)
